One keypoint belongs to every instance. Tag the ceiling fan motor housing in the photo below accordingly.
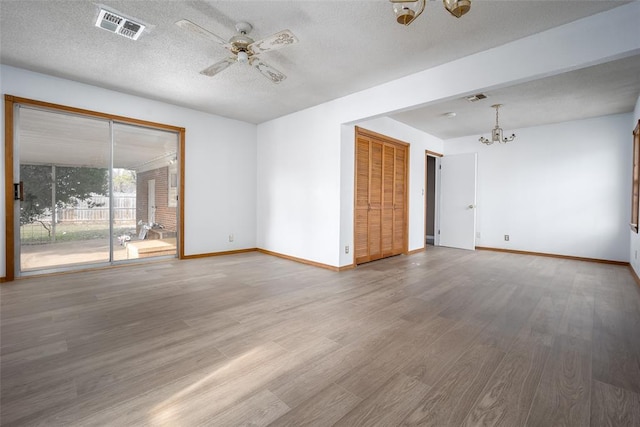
(240, 43)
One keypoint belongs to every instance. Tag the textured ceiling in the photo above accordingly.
(608, 88)
(345, 46)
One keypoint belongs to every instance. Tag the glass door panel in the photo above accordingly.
(64, 167)
(145, 192)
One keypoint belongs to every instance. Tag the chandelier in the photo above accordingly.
(408, 10)
(496, 133)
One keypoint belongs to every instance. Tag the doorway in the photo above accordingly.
(431, 207)
(458, 175)
(82, 184)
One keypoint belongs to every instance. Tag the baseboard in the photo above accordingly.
(210, 254)
(306, 261)
(205, 255)
(634, 275)
(416, 251)
(575, 258)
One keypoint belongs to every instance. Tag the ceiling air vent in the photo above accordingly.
(476, 97)
(118, 24)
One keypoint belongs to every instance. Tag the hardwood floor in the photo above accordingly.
(441, 338)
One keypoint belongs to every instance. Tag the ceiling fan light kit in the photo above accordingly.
(496, 132)
(243, 57)
(407, 11)
(244, 49)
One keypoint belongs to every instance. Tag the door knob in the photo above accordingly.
(472, 206)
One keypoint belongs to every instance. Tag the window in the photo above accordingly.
(636, 175)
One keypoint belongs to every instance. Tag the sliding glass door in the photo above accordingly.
(145, 179)
(64, 163)
(93, 191)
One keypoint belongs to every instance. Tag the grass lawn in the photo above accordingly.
(36, 233)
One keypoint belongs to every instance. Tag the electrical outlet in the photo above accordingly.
(506, 237)
(478, 235)
(231, 237)
(346, 249)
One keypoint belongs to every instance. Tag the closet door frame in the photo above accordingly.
(384, 140)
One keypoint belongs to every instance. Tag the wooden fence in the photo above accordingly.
(124, 209)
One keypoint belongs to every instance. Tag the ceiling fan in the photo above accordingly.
(244, 49)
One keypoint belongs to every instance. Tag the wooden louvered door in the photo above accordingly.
(361, 219)
(380, 200)
(400, 200)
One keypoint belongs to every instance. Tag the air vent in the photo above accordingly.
(118, 24)
(476, 97)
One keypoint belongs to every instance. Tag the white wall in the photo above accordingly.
(220, 159)
(559, 189)
(634, 252)
(305, 182)
(299, 188)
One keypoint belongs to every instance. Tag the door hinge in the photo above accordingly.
(438, 232)
(440, 167)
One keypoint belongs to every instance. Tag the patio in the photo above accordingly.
(59, 254)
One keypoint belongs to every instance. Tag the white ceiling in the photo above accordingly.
(344, 47)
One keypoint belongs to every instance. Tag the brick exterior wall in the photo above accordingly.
(165, 215)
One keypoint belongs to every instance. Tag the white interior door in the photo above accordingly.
(151, 200)
(458, 201)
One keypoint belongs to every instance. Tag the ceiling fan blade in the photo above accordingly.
(217, 67)
(268, 71)
(276, 41)
(197, 29)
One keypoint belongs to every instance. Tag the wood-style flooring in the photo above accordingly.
(440, 338)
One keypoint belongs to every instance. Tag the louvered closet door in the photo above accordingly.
(388, 168)
(380, 203)
(361, 243)
(399, 201)
(375, 201)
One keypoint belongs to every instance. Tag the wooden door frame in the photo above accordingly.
(374, 135)
(10, 102)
